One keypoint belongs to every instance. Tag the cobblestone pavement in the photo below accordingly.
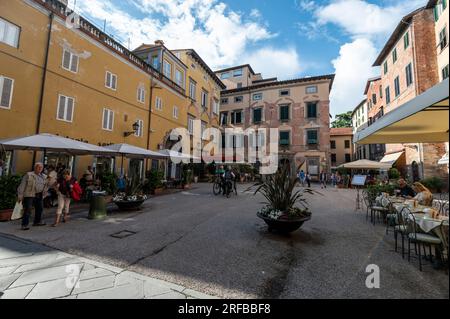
(29, 270)
(218, 246)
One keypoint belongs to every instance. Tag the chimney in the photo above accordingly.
(159, 42)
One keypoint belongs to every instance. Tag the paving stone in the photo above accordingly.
(95, 273)
(151, 289)
(23, 260)
(170, 295)
(7, 270)
(17, 293)
(54, 263)
(94, 284)
(122, 292)
(42, 275)
(50, 289)
(154, 281)
(6, 281)
(197, 295)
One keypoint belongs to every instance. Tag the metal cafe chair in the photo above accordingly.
(402, 227)
(420, 240)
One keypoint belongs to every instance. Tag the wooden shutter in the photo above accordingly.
(6, 90)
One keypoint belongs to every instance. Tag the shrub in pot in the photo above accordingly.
(8, 195)
(434, 184)
(280, 211)
(153, 183)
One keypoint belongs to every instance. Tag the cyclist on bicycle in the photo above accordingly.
(227, 178)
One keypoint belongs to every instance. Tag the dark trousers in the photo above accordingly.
(30, 202)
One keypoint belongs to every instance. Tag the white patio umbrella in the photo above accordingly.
(49, 142)
(177, 155)
(366, 164)
(131, 151)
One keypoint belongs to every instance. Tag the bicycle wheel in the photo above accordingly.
(216, 188)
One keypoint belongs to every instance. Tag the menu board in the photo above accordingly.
(359, 180)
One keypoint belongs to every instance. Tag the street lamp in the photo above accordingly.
(135, 130)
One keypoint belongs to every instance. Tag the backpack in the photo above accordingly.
(76, 191)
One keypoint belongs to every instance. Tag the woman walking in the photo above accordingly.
(68, 188)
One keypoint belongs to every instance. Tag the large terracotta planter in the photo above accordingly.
(158, 191)
(284, 225)
(5, 214)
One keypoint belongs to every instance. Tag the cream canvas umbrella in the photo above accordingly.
(131, 151)
(53, 143)
(366, 164)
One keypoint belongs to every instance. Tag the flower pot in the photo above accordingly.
(284, 225)
(158, 191)
(130, 205)
(5, 214)
(195, 179)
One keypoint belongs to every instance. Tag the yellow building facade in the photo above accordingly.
(73, 80)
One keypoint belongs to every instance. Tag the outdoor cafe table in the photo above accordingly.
(426, 223)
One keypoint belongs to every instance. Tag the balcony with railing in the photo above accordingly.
(95, 33)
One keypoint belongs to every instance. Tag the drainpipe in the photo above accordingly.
(149, 117)
(44, 76)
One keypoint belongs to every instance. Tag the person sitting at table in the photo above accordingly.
(424, 196)
(405, 190)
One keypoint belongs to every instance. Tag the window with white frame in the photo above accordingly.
(111, 81)
(158, 103)
(175, 112)
(6, 92)
(257, 97)
(167, 69)
(311, 89)
(140, 130)
(192, 89)
(65, 110)
(179, 78)
(141, 94)
(190, 125)
(216, 106)
(204, 99)
(203, 129)
(70, 61)
(9, 33)
(108, 119)
(237, 72)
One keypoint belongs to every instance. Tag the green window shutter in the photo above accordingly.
(312, 137)
(312, 110)
(444, 4)
(435, 11)
(257, 115)
(284, 138)
(284, 112)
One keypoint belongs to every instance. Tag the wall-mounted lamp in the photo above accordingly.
(135, 130)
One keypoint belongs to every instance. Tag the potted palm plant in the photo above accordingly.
(280, 212)
(131, 198)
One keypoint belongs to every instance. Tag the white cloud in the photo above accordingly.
(353, 67)
(220, 35)
(360, 18)
(368, 26)
(273, 62)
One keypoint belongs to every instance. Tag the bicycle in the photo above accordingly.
(217, 186)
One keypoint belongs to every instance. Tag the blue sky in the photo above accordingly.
(283, 38)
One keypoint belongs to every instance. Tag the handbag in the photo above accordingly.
(17, 212)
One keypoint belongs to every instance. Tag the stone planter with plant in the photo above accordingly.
(132, 198)
(153, 183)
(281, 212)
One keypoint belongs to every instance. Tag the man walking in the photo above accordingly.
(302, 177)
(31, 192)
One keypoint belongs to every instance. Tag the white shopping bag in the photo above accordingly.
(18, 211)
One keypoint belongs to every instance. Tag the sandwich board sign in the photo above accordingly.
(359, 180)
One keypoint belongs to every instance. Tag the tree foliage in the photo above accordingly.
(342, 120)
